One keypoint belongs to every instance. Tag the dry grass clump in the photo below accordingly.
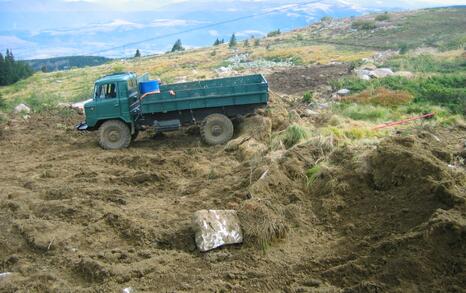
(381, 96)
(262, 223)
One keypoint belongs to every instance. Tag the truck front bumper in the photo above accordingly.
(82, 126)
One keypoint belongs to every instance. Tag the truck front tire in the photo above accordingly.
(216, 129)
(114, 134)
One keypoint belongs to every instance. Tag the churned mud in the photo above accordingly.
(383, 217)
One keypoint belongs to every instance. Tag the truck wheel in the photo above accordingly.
(216, 129)
(114, 134)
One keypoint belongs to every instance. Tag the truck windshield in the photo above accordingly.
(105, 91)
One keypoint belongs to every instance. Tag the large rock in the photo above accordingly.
(363, 74)
(215, 228)
(381, 72)
(22, 108)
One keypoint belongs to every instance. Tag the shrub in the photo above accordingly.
(382, 96)
(294, 134)
(274, 33)
(363, 25)
(403, 48)
(308, 97)
(382, 17)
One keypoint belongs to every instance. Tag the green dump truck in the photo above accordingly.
(119, 109)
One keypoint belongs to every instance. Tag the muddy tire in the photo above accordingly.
(114, 134)
(216, 129)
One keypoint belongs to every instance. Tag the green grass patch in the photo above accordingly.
(291, 136)
(446, 90)
(308, 97)
(312, 174)
(366, 112)
(427, 63)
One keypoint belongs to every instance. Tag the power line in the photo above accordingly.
(205, 26)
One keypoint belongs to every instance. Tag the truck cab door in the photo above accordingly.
(108, 103)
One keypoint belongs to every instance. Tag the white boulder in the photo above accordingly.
(381, 73)
(22, 108)
(215, 228)
(343, 92)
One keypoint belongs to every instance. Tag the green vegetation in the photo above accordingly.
(274, 33)
(178, 46)
(427, 27)
(219, 42)
(445, 90)
(11, 70)
(62, 63)
(294, 134)
(427, 63)
(308, 97)
(312, 174)
(363, 25)
(382, 17)
(233, 42)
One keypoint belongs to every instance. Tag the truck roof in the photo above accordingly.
(115, 77)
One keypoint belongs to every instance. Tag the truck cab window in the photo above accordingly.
(106, 91)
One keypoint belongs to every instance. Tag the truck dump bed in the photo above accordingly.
(223, 92)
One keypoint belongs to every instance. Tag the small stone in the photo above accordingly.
(215, 228)
(22, 108)
(343, 92)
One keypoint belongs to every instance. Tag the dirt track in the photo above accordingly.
(74, 217)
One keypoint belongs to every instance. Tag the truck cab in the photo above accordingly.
(112, 96)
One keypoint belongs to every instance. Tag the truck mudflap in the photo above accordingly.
(82, 126)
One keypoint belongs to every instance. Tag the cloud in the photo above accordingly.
(249, 33)
(13, 42)
(174, 22)
(214, 33)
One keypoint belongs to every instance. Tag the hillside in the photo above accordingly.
(329, 198)
(64, 63)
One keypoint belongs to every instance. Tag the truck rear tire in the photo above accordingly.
(216, 129)
(114, 134)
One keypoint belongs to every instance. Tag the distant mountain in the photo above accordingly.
(62, 63)
(49, 28)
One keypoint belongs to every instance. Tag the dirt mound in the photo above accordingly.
(298, 80)
(401, 212)
(316, 217)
